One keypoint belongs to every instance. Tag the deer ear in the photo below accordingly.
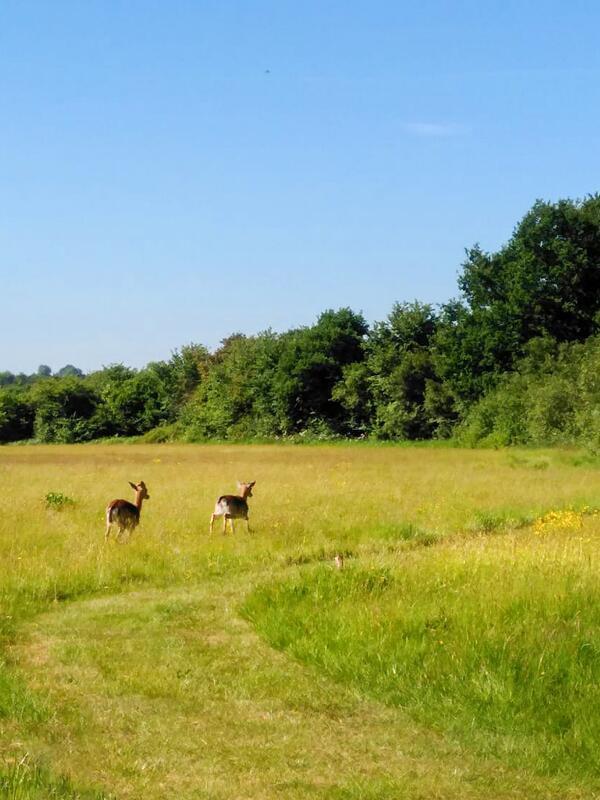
(133, 486)
(252, 484)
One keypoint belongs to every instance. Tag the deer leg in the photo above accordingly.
(107, 534)
(224, 524)
(212, 519)
(247, 525)
(231, 523)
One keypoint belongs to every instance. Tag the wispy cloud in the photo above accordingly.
(432, 129)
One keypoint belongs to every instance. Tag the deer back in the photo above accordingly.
(233, 505)
(122, 511)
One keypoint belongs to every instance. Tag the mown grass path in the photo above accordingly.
(169, 694)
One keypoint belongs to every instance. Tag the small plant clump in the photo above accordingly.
(57, 501)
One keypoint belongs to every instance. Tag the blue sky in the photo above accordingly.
(176, 171)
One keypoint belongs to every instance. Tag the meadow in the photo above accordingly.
(455, 655)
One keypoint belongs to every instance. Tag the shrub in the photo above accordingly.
(57, 501)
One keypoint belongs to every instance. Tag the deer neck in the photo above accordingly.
(138, 502)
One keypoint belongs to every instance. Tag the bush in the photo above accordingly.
(64, 411)
(16, 416)
(550, 399)
(57, 501)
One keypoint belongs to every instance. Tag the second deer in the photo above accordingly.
(233, 506)
(126, 515)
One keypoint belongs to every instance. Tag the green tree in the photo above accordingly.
(16, 416)
(189, 366)
(7, 378)
(69, 370)
(386, 393)
(64, 410)
(131, 402)
(234, 398)
(311, 364)
(544, 282)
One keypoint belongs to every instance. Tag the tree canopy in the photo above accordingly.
(414, 375)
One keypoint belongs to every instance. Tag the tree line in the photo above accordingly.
(512, 359)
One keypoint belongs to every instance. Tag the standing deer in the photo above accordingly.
(233, 506)
(126, 515)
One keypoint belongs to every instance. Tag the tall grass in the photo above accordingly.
(127, 666)
(23, 780)
(495, 643)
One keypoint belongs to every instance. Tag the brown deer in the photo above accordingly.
(126, 515)
(233, 506)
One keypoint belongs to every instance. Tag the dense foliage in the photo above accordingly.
(512, 360)
(553, 397)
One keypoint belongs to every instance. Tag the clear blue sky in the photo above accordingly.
(176, 171)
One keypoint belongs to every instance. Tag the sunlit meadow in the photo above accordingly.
(455, 655)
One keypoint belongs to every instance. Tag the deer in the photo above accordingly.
(126, 515)
(233, 506)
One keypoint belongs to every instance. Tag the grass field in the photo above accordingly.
(456, 654)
